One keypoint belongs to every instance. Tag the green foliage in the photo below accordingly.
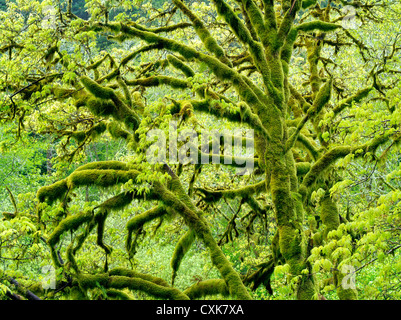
(317, 218)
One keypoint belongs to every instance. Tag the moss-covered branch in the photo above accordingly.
(199, 225)
(138, 221)
(133, 283)
(211, 287)
(331, 156)
(320, 101)
(208, 40)
(216, 195)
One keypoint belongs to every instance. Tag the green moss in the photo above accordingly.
(322, 98)
(344, 293)
(135, 274)
(206, 288)
(100, 219)
(183, 245)
(198, 224)
(317, 25)
(100, 107)
(137, 102)
(303, 168)
(121, 282)
(114, 128)
(308, 3)
(329, 214)
(69, 223)
(101, 178)
(118, 202)
(104, 165)
(79, 136)
(290, 242)
(180, 65)
(53, 192)
(138, 222)
(97, 90)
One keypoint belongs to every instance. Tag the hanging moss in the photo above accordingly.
(137, 222)
(97, 90)
(200, 227)
(114, 128)
(100, 107)
(53, 192)
(68, 224)
(180, 65)
(182, 247)
(138, 103)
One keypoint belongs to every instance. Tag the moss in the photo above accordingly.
(69, 223)
(135, 274)
(114, 128)
(155, 81)
(79, 136)
(344, 293)
(200, 227)
(101, 178)
(60, 92)
(308, 3)
(104, 165)
(318, 25)
(182, 247)
(209, 42)
(329, 214)
(206, 288)
(322, 98)
(121, 282)
(118, 295)
(290, 242)
(303, 168)
(97, 90)
(361, 94)
(100, 219)
(118, 202)
(180, 65)
(138, 222)
(306, 289)
(137, 102)
(53, 192)
(100, 107)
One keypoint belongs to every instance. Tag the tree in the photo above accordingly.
(237, 61)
